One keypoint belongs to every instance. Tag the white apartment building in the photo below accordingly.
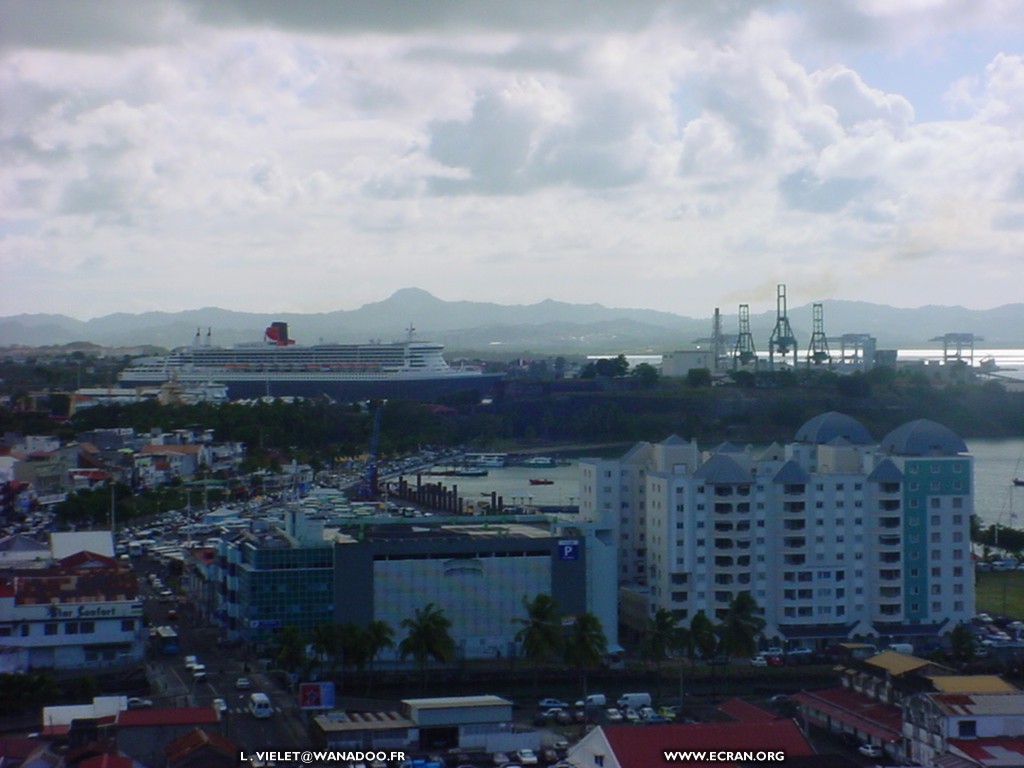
(835, 535)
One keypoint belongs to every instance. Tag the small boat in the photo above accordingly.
(1018, 481)
(541, 481)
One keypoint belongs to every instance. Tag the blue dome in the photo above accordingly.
(923, 438)
(827, 427)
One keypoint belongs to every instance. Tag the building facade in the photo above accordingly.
(835, 535)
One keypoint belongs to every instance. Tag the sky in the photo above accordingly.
(313, 156)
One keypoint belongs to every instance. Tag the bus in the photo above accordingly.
(165, 640)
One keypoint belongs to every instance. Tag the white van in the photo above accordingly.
(634, 700)
(259, 705)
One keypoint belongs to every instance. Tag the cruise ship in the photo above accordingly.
(278, 367)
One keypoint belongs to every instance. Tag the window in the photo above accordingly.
(24, 630)
(128, 625)
(50, 629)
(967, 729)
(71, 628)
(599, 760)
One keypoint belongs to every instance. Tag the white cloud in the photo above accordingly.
(654, 154)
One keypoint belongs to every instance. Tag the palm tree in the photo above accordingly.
(702, 634)
(428, 638)
(660, 637)
(325, 641)
(292, 649)
(540, 633)
(741, 625)
(352, 645)
(379, 635)
(586, 645)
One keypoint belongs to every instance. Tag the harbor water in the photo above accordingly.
(996, 498)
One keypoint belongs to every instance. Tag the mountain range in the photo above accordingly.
(549, 327)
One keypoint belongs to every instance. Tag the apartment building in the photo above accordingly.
(836, 535)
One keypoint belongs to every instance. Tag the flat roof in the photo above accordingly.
(455, 702)
(339, 722)
(973, 684)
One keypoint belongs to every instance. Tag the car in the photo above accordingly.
(134, 702)
(243, 684)
(500, 758)
(656, 720)
(646, 712)
(549, 703)
(220, 705)
(870, 750)
(773, 651)
(775, 661)
(631, 715)
(759, 661)
(612, 715)
(172, 615)
(527, 757)
(669, 713)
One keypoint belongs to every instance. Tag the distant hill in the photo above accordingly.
(549, 327)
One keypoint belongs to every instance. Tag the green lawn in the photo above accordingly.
(1000, 593)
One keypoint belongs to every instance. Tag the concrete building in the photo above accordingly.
(84, 612)
(835, 535)
(379, 568)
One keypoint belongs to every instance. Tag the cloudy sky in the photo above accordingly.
(313, 156)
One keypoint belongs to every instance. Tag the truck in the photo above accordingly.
(634, 700)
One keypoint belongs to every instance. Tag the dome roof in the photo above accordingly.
(826, 427)
(923, 438)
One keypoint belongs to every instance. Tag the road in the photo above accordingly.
(172, 685)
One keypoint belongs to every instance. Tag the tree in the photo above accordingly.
(702, 633)
(962, 641)
(741, 625)
(646, 374)
(586, 645)
(292, 649)
(698, 377)
(660, 637)
(324, 639)
(540, 633)
(428, 638)
(379, 635)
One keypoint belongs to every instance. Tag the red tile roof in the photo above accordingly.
(745, 712)
(1001, 751)
(883, 721)
(167, 716)
(644, 746)
(196, 740)
(107, 761)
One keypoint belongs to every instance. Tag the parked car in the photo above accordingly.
(549, 703)
(220, 705)
(612, 715)
(527, 757)
(870, 750)
(243, 684)
(134, 702)
(759, 661)
(500, 758)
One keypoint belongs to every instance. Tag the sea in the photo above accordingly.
(1009, 363)
(996, 499)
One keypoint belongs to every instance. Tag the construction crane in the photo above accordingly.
(744, 352)
(817, 351)
(782, 340)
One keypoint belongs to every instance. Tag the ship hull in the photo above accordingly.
(345, 390)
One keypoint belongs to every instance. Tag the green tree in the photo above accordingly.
(962, 641)
(741, 625)
(540, 632)
(646, 374)
(428, 638)
(660, 636)
(379, 635)
(586, 646)
(702, 632)
(291, 650)
(324, 638)
(698, 377)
